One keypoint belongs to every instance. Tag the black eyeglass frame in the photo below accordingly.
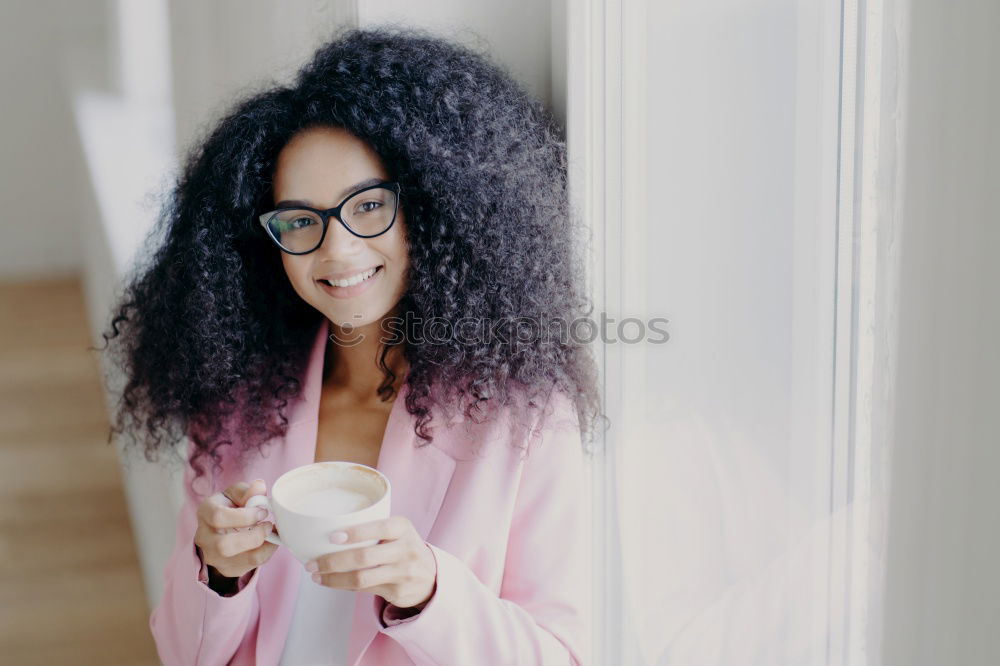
(324, 216)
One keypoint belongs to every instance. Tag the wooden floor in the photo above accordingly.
(70, 588)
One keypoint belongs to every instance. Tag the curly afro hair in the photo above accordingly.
(209, 325)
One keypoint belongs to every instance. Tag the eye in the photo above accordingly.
(300, 222)
(367, 206)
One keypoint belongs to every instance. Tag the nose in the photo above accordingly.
(339, 242)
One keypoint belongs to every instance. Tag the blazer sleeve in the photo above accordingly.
(542, 614)
(192, 625)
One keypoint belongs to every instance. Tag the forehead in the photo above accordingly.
(319, 165)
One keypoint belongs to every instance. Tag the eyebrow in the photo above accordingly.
(343, 195)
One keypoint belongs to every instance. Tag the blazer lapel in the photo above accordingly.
(418, 478)
(279, 579)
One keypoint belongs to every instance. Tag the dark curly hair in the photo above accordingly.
(210, 324)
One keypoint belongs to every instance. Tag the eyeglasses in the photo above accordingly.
(367, 213)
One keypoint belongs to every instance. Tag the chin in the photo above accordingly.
(355, 318)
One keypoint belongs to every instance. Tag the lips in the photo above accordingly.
(367, 272)
(353, 290)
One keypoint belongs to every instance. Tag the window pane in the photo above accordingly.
(723, 439)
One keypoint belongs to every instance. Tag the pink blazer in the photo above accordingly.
(509, 534)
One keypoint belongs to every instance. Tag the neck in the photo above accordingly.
(352, 362)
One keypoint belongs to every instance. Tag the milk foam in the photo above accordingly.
(331, 501)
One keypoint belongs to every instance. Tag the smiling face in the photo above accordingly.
(320, 167)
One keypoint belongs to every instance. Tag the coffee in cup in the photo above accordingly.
(310, 502)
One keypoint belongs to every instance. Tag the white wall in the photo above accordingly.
(517, 32)
(227, 48)
(44, 191)
(943, 582)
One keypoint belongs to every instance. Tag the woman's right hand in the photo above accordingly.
(229, 535)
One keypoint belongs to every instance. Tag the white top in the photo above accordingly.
(321, 625)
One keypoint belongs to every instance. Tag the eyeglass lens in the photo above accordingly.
(367, 213)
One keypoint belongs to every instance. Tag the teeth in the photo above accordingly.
(360, 277)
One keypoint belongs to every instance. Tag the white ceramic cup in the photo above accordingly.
(309, 503)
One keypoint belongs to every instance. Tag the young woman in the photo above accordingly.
(376, 263)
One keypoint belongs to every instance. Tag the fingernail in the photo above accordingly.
(256, 480)
(338, 537)
(316, 578)
(261, 514)
(312, 566)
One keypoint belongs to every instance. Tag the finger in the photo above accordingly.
(233, 530)
(362, 579)
(353, 559)
(394, 527)
(240, 564)
(243, 491)
(238, 493)
(218, 513)
(234, 493)
(236, 543)
(222, 499)
(262, 553)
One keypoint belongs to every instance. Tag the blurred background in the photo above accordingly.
(807, 190)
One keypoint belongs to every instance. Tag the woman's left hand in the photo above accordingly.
(400, 568)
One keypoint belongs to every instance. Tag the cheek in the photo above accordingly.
(289, 268)
(400, 256)
(294, 270)
(400, 250)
